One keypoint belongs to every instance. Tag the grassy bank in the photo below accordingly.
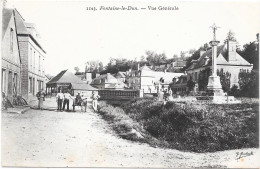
(191, 127)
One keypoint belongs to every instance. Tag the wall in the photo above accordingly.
(10, 62)
(33, 73)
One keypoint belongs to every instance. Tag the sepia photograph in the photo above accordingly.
(130, 84)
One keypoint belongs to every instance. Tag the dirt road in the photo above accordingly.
(60, 139)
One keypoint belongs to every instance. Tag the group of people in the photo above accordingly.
(63, 99)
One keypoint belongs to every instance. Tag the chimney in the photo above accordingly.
(202, 52)
(108, 74)
(231, 47)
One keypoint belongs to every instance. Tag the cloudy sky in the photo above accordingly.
(72, 35)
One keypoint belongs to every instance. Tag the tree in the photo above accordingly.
(251, 54)
(76, 69)
(182, 54)
(249, 83)
(93, 66)
(175, 56)
(190, 84)
(231, 36)
(224, 79)
(142, 58)
(154, 58)
(203, 79)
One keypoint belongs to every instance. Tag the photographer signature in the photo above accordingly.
(240, 155)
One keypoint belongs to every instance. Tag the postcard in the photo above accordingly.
(151, 84)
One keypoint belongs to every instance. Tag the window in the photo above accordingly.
(30, 85)
(30, 59)
(3, 80)
(11, 40)
(39, 64)
(15, 83)
(34, 61)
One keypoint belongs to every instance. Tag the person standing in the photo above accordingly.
(59, 99)
(95, 97)
(66, 101)
(41, 96)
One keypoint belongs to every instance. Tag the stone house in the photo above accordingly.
(107, 81)
(179, 85)
(10, 57)
(32, 57)
(148, 80)
(227, 59)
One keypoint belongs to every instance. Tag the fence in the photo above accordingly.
(118, 94)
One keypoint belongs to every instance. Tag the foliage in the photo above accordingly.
(190, 84)
(224, 79)
(94, 66)
(250, 53)
(195, 55)
(234, 91)
(249, 83)
(197, 127)
(203, 79)
(154, 58)
(231, 36)
(76, 69)
(124, 126)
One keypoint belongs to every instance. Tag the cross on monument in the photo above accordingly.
(214, 28)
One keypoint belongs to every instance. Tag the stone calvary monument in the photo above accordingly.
(214, 87)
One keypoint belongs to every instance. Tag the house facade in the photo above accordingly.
(32, 57)
(179, 85)
(149, 80)
(10, 57)
(107, 81)
(228, 60)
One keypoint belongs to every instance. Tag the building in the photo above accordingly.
(107, 81)
(32, 57)
(148, 80)
(67, 81)
(179, 85)
(227, 59)
(120, 76)
(10, 57)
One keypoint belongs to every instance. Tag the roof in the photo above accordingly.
(180, 63)
(108, 79)
(21, 28)
(7, 14)
(20, 23)
(65, 76)
(222, 58)
(118, 85)
(82, 86)
(145, 68)
(49, 76)
(120, 75)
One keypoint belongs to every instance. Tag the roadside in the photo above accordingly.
(75, 139)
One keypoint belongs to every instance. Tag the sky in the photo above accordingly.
(72, 35)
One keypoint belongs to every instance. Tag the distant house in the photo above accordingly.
(121, 76)
(148, 80)
(179, 86)
(81, 75)
(67, 81)
(107, 81)
(227, 59)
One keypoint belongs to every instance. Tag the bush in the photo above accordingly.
(198, 127)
